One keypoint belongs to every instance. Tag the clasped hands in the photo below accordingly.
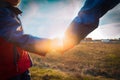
(62, 45)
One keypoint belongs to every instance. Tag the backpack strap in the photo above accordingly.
(16, 56)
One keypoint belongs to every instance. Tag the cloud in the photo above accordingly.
(108, 31)
(49, 19)
(111, 30)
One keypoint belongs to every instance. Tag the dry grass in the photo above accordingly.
(87, 61)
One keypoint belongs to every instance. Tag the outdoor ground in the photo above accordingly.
(86, 61)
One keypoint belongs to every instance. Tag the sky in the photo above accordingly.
(51, 18)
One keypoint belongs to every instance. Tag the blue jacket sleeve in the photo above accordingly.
(87, 20)
(11, 30)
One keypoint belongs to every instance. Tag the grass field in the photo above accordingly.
(86, 61)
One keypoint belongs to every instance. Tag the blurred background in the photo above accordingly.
(50, 18)
(89, 60)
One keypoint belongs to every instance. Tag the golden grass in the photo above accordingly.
(86, 61)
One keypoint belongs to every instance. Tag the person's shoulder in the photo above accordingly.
(4, 12)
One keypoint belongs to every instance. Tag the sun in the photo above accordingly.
(60, 36)
(58, 40)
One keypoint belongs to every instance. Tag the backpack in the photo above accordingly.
(13, 60)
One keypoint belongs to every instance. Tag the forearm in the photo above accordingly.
(36, 45)
(77, 31)
(97, 8)
(29, 43)
(32, 44)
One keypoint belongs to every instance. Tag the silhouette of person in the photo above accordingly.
(87, 20)
(14, 44)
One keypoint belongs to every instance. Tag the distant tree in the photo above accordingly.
(88, 39)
